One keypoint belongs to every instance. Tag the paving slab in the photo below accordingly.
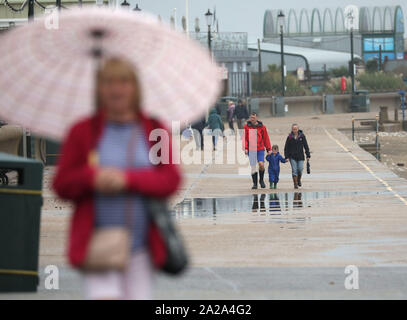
(284, 243)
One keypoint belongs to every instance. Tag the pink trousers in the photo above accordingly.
(135, 283)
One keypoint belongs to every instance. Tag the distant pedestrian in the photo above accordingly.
(255, 140)
(197, 129)
(216, 125)
(294, 148)
(231, 114)
(274, 160)
(241, 114)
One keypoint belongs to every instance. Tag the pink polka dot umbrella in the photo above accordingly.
(48, 68)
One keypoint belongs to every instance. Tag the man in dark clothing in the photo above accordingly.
(241, 114)
(294, 148)
(197, 128)
(256, 139)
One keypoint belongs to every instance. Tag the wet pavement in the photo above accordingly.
(253, 283)
(268, 243)
(271, 203)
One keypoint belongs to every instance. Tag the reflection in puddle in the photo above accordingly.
(271, 203)
(262, 208)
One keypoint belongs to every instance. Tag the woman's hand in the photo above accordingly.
(110, 180)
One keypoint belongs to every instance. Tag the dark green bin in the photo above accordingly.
(20, 211)
(360, 101)
(52, 151)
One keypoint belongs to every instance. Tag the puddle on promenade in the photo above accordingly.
(277, 203)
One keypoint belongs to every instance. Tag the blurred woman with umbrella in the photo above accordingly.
(109, 124)
(294, 148)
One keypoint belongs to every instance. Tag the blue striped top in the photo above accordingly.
(110, 209)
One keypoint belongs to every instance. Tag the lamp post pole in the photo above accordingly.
(282, 62)
(30, 10)
(352, 63)
(280, 19)
(209, 39)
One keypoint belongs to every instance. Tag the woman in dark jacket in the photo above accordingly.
(294, 148)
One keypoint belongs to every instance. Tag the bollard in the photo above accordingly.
(383, 115)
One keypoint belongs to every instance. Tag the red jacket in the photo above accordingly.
(261, 135)
(75, 176)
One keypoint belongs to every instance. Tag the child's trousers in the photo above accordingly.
(274, 176)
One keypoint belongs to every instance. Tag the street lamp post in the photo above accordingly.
(280, 19)
(209, 21)
(352, 63)
(30, 10)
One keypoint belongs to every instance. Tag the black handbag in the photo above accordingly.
(177, 258)
(308, 167)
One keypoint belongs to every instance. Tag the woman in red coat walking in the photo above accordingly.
(255, 140)
(105, 169)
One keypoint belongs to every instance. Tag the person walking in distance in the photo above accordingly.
(294, 148)
(231, 114)
(241, 114)
(256, 140)
(216, 125)
(197, 129)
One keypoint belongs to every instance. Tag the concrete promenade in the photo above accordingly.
(351, 210)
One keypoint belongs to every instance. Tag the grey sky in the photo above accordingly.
(245, 15)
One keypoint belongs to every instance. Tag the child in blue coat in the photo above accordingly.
(274, 160)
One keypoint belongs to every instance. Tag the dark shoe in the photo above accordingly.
(295, 180)
(271, 185)
(262, 184)
(254, 178)
(299, 180)
(275, 185)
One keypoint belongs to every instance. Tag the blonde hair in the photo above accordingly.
(117, 69)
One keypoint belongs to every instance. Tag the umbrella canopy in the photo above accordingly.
(47, 79)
